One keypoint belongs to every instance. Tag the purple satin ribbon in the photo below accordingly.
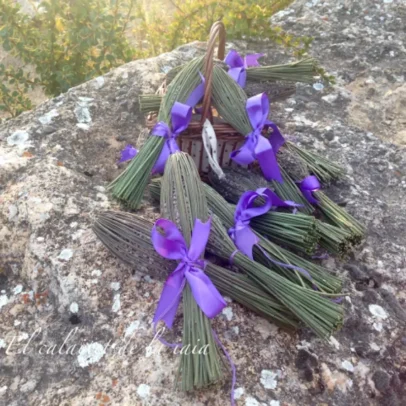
(309, 185)
(237, 65)
(171, 245)
(197, 94)
(243, 236)
(256, 146)
(129, 152)
(181, 115)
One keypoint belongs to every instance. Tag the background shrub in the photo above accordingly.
(67, 42)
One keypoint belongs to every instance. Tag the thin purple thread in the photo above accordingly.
(321, 256)
(234, 379)
(296, 268)
(231, 259)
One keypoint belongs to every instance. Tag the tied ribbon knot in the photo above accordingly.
(256, 146)
(129, 152)
(242, 235)
(171, 245)
(238, 65)
(181, 115)
(309, 185)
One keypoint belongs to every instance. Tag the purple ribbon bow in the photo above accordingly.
(242, 235)
(129, 152)
(256, 146)
(309, 185)
(238, 65)
(171, 245)
(180, 115)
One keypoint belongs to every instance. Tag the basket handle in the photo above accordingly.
(217, 30)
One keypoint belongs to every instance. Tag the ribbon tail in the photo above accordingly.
(308, 194)
(276, 200)
(269, 165)
(170, 298)
(200, 236)
(245, 239)
(196, 95)
(159, 166)
(276, 139)
(205, 293)
(239, 75)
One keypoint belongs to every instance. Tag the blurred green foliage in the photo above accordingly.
(191, 20)
(67, 42)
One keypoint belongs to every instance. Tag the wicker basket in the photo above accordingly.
(190, 141)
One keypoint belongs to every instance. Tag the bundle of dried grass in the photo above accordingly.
(130, 185)
(128, 237)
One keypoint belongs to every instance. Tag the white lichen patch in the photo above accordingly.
(238, 393)
(347, 365)
(77, 234)
(98, 82)
(3, 300)
(143, 391)
(116, 303)
(66, 254)
(83, 126)
(96, 272)
(228, 313)
(274, 403)
(268, 379)
(82, 114)
(318, 86)
(48, 117)
(74, 307)
(250, 401)
(90, 354)
(19, 139)
(12, 212)
(378, 311)
(2, 343)
(115, 286)
(18, 289)
(135, 325)
(334, 343)
(378, 326)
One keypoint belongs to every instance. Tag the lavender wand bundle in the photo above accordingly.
(320, 314)
(128, 237)
(334, 239)
(130, 185)
(183, 201)
(225, 212)
(233, 106)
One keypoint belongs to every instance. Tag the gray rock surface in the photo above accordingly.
(65, 301)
